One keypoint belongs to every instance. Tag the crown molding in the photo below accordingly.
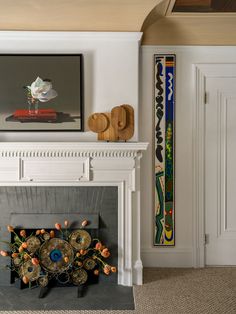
(70, 35)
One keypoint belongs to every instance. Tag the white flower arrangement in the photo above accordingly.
(41, 90)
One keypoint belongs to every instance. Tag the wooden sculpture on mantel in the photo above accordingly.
(115, 125)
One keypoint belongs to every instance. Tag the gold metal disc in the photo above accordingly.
(79, 276)
(31, 271)
(80, 239)
(56, 255)
(33, 244)
(17, 261)
(89, 263)
(46, 236)
(43, 281)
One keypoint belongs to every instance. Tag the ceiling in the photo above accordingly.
(193, 22)
(191, 27)
(75, 15)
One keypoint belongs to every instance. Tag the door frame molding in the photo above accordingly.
(202, 71)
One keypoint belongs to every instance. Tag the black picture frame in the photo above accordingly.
(66, 70)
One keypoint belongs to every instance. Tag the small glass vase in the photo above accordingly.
(33, 105)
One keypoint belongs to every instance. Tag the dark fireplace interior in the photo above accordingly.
(31, 208)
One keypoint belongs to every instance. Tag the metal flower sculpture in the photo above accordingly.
(62, 254)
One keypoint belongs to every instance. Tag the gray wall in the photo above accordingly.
(19, 71)
(101, 200)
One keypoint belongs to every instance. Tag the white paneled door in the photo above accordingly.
(220, 171)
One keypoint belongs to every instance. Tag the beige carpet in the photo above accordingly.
(178, 291)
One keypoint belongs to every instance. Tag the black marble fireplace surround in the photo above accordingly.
(64, 200)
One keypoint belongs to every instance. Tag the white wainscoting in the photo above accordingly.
(162, 257)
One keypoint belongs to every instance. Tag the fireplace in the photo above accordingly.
(35, 165)
(67, 169)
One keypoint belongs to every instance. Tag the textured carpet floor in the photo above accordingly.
(178, 291)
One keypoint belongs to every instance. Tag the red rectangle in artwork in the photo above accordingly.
(41, 114)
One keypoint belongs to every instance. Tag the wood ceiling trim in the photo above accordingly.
(204, 6)
(192, 3)
(199, 15)
(170, 7)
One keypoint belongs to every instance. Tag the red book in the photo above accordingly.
(41, 115)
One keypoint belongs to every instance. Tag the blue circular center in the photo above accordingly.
(55, 255)
(79, 239)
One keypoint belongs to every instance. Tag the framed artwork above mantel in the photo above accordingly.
(41, 92)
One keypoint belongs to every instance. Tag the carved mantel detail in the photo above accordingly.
(88, 149)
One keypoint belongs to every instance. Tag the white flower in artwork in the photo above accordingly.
(42, 90)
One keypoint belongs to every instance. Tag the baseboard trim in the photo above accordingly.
(167, 257)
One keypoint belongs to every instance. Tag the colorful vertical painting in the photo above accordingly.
(164, 67)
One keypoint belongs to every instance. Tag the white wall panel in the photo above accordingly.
(111, 72)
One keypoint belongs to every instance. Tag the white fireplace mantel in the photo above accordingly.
(90, 164)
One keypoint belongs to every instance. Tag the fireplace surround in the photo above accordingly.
(86, 164)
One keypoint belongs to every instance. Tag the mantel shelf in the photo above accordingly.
(92, 146)
(71, 149)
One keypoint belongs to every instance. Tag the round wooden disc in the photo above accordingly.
(97, 122)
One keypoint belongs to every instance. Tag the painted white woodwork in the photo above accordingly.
(50, 169)
(111, 72)
(211, 128)
(220, 170)
(189, 136)
(10, 169)
(84, 163)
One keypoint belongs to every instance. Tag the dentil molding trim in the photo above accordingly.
(71, 149)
